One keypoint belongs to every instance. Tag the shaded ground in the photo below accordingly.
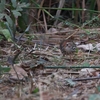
(37, 81)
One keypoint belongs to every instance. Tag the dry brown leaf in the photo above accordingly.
(97, 46)
(87, 71)
(21, 73)
(52, 30)
(86, 47)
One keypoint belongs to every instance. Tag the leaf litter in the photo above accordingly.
(37, 81)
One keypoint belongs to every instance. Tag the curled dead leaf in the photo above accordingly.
(86, 47)
(87, 71)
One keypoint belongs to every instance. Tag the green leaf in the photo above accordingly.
(11, 31)
(9, 20)
(2, 25)
(14, 3)
(19, 9)
(22, 5)
(4, 69)
(1, 15)
(6, 33)
(2, 5)
(27, 29)
(16, 13)
(35, 90)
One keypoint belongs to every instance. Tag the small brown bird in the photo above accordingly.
(67, 48)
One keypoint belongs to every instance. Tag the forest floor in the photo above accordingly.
(39, 71)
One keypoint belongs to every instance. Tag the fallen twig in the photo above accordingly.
(84, 79)
(68, 67)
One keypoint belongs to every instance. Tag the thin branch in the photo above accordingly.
(84, 79)
(68, 67)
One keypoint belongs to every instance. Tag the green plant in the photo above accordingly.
(10, 12)
(4, 69)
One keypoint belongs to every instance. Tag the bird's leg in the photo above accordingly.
(70, 58)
